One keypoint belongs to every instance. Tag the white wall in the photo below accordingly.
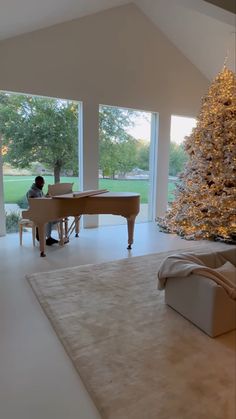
(116, 57)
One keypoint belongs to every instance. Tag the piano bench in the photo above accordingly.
(24, 223)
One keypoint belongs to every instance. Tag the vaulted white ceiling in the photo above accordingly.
(205, 33)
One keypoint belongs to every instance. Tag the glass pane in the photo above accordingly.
(40, 137)
(124, 145)
(180, 128)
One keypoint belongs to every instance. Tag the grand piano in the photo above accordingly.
(58, 207)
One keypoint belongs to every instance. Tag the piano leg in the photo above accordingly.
(42, 241)
(61, 235)
(130, 225)
(77, 224)
(66, 240)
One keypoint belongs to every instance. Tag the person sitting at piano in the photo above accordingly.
(36, 191)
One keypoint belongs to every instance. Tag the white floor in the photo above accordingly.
(37, 379)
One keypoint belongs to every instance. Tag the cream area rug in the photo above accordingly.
(138, 358)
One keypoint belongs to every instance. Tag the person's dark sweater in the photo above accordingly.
(34, 192)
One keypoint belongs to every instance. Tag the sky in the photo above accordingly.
(180, 127)
(142, 128)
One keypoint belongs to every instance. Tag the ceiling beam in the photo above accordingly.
(229, 5)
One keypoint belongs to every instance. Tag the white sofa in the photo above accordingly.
(200, 300)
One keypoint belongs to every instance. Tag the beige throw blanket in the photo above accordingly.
(183, 265)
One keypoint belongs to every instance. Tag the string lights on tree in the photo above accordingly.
(205, 198)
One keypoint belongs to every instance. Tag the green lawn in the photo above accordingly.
(15, 187)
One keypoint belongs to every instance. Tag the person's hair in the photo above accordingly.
(39, 179)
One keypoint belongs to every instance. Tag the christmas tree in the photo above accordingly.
(205, 198)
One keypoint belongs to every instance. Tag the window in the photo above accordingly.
(40, 137)
(180, 128)
(124, 156)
